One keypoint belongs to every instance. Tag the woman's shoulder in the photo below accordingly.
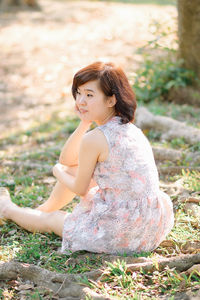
(95, 136)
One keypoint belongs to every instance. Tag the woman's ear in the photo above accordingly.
(111, 101)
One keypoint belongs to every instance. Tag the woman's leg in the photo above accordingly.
(31, 219)
(60, 195)
(47, 217)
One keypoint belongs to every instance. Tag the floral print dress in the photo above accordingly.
(126, 212)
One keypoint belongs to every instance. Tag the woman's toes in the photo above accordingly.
(4, 194)
(5, 202)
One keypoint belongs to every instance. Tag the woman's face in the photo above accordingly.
(93, 104)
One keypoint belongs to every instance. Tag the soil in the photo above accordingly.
(42, 49)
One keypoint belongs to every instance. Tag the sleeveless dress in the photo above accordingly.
(126, 212)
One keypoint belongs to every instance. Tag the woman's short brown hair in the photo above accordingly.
(113, 81)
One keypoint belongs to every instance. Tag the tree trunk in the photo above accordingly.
(4, 4)
(189, 33)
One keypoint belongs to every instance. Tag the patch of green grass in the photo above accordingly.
(195, 147)
(25, 180)
(184, 228)
(36, 295)
(153, 135)
(142, 254)
(41, 250)
(178, 143)
(184, 113)
(191, 180)
(121, 282)
(55, 128)
(50, 154)
(35, 249)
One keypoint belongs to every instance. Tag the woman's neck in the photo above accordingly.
(107, 118)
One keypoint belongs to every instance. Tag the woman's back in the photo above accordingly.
(130, 166)
(127, 211)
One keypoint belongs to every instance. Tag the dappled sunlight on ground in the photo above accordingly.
(41, 50)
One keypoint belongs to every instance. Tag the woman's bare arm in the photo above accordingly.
(90, 149)
(69, 153)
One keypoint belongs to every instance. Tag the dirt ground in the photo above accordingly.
(41, 50)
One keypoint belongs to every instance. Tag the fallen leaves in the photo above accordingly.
(191, 247)
(193, 209)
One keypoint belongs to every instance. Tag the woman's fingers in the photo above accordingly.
(77, 111)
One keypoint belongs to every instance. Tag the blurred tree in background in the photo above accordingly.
(23, 3)
(189, 33)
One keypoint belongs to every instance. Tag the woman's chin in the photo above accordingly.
(84, 117)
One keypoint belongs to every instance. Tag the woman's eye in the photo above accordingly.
(89, 95)
(78, 93)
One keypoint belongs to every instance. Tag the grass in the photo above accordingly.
(184, 113)
(120, 282)
(184, 229)
(28, 176)
(191, 180)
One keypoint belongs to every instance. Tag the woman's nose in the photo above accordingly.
(82, 100)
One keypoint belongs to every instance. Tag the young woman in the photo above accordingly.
(111, 167)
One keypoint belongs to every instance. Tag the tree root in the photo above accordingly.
(59, 284)
(165, 154)
(69, 285)
(172, 170)
(168, 127)
(180, 263)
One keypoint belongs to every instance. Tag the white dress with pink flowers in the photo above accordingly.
(126, 212)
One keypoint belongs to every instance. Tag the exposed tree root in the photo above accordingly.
(181, 95)
(193, 200)
(68, 285)
(172, 170)
(163, 154)
(181, 263)
(60, 284)
(168, 127)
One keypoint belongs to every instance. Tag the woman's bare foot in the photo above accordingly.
(5, 203)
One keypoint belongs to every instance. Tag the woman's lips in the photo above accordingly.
(82, 111)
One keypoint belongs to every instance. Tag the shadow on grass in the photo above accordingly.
(35, 152)
(157, 2)
(43, 132)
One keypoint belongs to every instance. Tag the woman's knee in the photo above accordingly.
(54, 222)
(72, 170)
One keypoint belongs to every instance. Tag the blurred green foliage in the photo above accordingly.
(161, 69)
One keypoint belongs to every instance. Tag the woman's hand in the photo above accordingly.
(78, 113)
(58, 170)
